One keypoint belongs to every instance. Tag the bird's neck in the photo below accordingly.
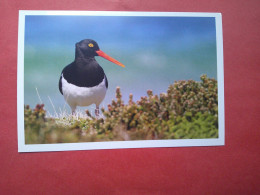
(83, 62)
(81, 58)
(84, 59)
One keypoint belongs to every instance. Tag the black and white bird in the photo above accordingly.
(83, 82)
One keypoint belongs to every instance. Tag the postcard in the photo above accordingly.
(108, 80)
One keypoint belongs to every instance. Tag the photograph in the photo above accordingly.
(107, 80)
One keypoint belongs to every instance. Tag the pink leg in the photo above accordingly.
(97, 111)
(73, 109)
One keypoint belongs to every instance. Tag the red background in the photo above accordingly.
(230, 169)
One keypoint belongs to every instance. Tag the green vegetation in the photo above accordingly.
(189, 110)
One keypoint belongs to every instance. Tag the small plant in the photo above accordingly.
(188, 110)
(41, 130)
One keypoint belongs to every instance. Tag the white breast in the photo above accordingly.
(83, 96)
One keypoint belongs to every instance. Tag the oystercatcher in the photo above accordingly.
(83, 82)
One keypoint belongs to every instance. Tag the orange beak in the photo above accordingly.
(104, 55)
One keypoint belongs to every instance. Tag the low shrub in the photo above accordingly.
(188, 110)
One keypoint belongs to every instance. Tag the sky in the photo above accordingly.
(155, 50)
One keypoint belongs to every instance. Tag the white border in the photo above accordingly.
(22, 147)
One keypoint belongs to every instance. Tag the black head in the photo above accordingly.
(89, 48)
(86, 48)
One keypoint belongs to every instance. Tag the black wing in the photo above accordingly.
(106, 81)
(60, 85)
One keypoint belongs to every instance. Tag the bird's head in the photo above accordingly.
(89, 48)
